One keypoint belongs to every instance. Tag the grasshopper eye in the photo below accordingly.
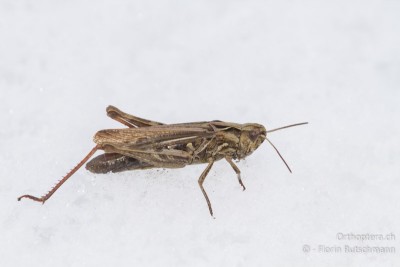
(254, 135)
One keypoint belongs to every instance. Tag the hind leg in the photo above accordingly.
(114, 162)
(129, 120)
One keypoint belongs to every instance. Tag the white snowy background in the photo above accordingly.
(335, 64)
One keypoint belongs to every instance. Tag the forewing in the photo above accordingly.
(157, 137)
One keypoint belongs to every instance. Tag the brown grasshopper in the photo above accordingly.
(149, 144)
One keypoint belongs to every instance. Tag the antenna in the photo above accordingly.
(287, 126)
(280, 128)
(277, 151)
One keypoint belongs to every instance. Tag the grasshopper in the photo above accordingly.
(149, 144)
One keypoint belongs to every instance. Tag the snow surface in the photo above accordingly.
(335, 64)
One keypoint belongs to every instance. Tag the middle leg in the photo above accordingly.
(201, 181)
(236, 169)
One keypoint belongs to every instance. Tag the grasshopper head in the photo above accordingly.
(252, 136)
